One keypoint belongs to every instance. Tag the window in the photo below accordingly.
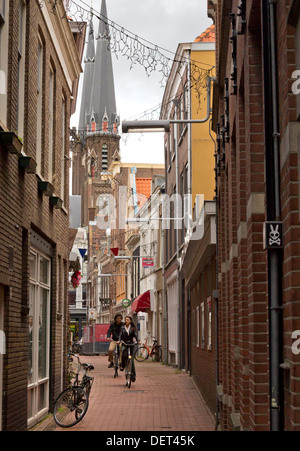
(63, 149)
(209, 342)
(4, 10)
(202, 326)
(39, 333)
(297, 53)
(51, 166)
(39, 105)
(2, 347)
(104, 158)
(186, 101)
(194, 323)
(21, 67)
(197, 327)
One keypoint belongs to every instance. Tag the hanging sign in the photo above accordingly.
(82, 252)
(273, 235)
(147, 262)
(126, 303)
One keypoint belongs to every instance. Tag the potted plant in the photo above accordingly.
(11, 142)
(75, 279)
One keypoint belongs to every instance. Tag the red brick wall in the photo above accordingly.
(243, 277)
(23, 209)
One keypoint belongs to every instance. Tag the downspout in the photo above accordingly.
(165, 317)
(179, 314)
(134, 193)
(273, 207)
(216, 293)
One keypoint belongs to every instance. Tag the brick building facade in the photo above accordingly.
(40, 65)
(257, 124)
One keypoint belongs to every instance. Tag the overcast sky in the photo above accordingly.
(165, 23)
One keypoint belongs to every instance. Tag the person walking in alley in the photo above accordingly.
(128, 335)
(113, 335)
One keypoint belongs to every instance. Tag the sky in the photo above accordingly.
(165, 23)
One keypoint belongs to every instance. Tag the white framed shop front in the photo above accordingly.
(39, 335)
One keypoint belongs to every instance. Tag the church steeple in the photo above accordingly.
(103, 109)
(89, 61)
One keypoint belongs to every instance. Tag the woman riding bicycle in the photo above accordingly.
(128, 335)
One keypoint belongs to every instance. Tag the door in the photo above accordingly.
(2, 348)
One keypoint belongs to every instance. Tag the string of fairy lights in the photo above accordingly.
(136, 49)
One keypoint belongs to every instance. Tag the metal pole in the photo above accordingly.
(273, 206)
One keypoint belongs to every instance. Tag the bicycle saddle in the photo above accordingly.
(88, 366)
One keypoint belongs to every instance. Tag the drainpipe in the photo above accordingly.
(216, 292)
(179, 313)
(165, 316)
(273, 208)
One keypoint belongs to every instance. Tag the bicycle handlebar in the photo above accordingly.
(128, 344)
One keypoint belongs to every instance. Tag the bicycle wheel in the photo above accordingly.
(70, 407)
(157, 354)
(141, 354)
(128, 373)
(88, 387)
(116, 366)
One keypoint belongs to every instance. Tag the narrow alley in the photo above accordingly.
(162, 399)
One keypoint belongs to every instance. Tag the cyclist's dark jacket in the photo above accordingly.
(114, 330)
(128, 338)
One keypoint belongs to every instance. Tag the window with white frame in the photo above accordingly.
(4, 19)
(39, 336)
(51, 124)
(39, 128)
(63, 149)
(202, 326)
(21, 67)
(209, 324)
(194, 327)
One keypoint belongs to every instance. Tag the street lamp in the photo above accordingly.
(145, 126)
(164, 125)
(112, 275)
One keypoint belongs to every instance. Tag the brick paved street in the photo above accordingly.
(161, 399)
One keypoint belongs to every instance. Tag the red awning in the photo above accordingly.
(141, 303)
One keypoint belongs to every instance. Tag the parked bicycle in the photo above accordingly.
(77, 347)
(143, 352)
(129, 368)
(72, 404)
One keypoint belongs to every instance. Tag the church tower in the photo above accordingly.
(98, 136)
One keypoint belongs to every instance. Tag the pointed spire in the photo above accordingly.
(90, 51)
(103, 31)
(103, 89)
(87, 81)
